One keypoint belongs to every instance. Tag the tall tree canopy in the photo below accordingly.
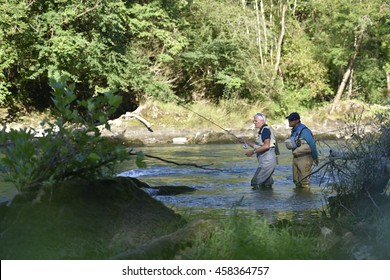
(283, 52)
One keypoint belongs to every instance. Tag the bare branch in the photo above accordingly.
(179, 164)
(90, 9)
(314, 172)
(373, 201)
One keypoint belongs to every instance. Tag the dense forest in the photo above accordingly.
(286, 53)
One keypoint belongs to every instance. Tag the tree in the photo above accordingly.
(98, 44)
(346, 34)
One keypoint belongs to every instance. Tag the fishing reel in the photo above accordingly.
(245, 146)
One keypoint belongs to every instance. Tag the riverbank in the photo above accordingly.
(205, 123)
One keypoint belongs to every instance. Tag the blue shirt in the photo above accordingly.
(308, 137)
(266, 133)
(263, 134)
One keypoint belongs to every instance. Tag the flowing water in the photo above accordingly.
(218, 191)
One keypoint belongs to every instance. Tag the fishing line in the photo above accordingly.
(245, 146)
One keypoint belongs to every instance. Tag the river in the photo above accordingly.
(220, 191)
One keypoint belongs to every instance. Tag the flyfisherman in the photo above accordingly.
(264, 149)
(304, 150)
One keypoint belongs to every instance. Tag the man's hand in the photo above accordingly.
(249, 153)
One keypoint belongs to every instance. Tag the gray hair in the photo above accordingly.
(260, 115)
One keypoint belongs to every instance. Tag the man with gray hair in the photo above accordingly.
(264, 149)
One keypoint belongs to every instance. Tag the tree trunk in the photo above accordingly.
(350, 86)
(245, 22)
(258, 32)
(280, 42)
(295, 6)
(388, 83)
(264, 26)
(347, 74)
(271, 24)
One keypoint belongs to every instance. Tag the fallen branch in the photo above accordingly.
(314, 172)
(176, 163)
(142, 120)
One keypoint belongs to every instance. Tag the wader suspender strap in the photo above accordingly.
(277, 152)
(300, 132)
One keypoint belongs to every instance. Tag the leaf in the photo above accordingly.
(93, 157)
(114, 100)
(140, 160)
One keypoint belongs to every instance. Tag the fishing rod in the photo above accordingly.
(245, 146)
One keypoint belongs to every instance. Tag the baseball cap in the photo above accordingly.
(293, 116)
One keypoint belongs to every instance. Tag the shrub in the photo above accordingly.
(360, 166)
(70, 146)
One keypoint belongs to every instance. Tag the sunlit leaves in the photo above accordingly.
(68, 147)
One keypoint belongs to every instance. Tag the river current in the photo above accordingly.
(219, 191)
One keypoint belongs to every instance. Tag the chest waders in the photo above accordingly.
(266, 163)
(302, 161)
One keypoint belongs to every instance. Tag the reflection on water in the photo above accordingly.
(221, 190)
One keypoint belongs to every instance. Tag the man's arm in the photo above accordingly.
(306, 135)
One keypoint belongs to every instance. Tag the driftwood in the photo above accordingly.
(176, 163)
(166, 247)
(132, 115)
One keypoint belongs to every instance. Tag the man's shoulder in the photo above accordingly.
(265, 132)
(305, 131)
(266, 128)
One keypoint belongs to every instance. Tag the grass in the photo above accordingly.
(382, 238)
(248, 237)
(238, 114)
(230, 114)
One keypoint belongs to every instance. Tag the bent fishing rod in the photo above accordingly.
(245, 146)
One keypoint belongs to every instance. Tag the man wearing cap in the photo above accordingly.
(304, 150)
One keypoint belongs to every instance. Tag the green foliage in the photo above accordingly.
(220, 61)
(69, 147)
(304, 74)
(99, 45)
(335, 27)
(215, 50)
(351, 179)
(243, 237)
